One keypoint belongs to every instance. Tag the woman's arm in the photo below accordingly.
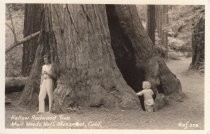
(51, 72)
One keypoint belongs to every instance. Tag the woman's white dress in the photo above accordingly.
(46, 88)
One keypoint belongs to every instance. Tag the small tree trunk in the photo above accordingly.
(32, 24)
(159, 20)
(162, 20)
(165, 33)
(151, 25)
(198, 45)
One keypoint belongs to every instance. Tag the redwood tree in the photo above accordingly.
(161, 12)
(86, 42)
(137, 52)
(32, 21)
(151, 25)
(198, 38)
(165, 33)
(159, 15)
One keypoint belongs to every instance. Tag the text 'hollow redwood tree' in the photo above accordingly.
(86, 44)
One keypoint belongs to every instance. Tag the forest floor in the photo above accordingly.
(188, 114)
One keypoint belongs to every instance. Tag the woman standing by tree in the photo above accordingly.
(46, 85)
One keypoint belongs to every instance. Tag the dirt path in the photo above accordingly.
(188, 114)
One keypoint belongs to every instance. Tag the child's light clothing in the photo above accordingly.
(149, 108)
(46, 87)
(148, 99)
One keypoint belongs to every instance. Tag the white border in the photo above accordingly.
(2, 65)
(93, 131)
(162, 2)
(207, 67)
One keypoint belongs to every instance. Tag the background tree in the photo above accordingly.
(88, 73)
(151, 24)
(198, 40)
(165, 33)
(159, 12)
(13, 58)
(32, 21)
(162, 21)
(182, 20)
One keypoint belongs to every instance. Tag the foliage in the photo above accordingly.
(183, 16)
(14, 57)
(182, 19)
(179, 28)
(142, 11)
(15, 9)
(177, 44)
(13, 62)
(159, 47)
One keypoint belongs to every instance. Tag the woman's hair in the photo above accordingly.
(146, 84)
(46, 56)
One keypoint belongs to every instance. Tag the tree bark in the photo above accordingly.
(151, 24)
(32, 24)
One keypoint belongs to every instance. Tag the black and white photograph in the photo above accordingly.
(104, 66)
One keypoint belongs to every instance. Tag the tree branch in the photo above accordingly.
(12, 28)
(22, 41)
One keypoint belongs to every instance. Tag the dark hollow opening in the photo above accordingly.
(124, 53)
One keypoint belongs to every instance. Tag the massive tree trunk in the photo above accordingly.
(32, 21)
(198, 45)
(151, 24)
(135, 54)
(88, 73)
